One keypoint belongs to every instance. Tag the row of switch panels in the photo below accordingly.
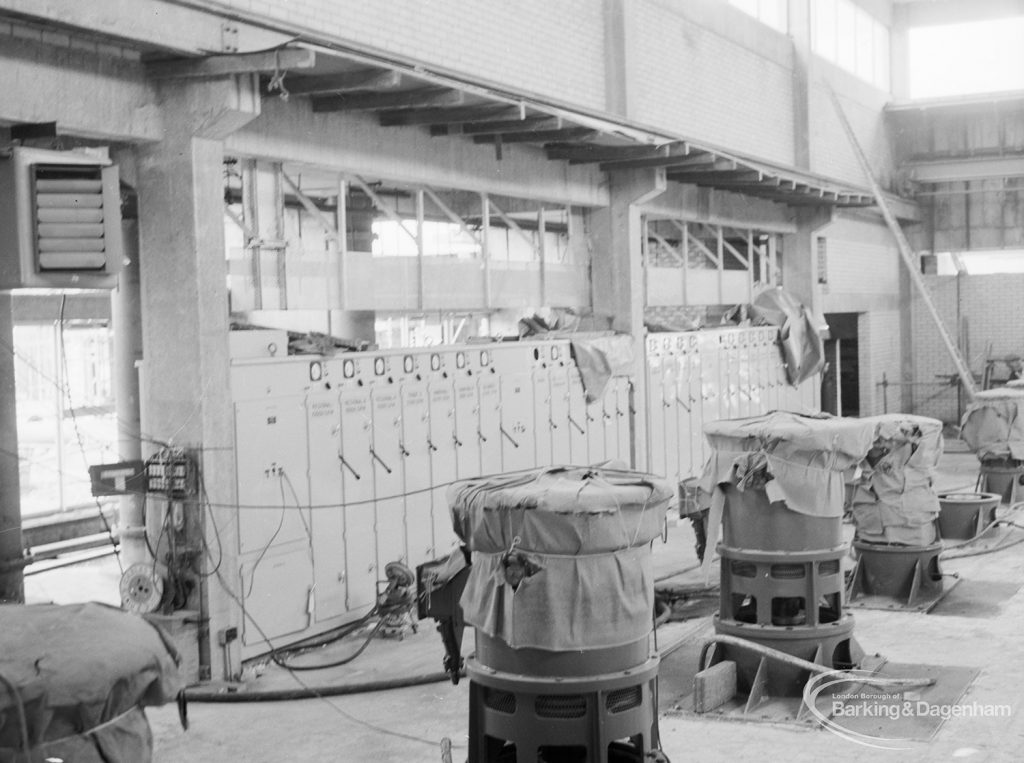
(695, 377)
(343, 463)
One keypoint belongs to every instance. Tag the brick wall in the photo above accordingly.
(862, 259)
(989, 315)
(832, 154)
(699, 69)
(879, 358)
(554, 49)
(698, 82)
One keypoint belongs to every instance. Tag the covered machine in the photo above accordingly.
(895, 509)
(561, 594)
(777, 483)
(76, 680)
(993, 428)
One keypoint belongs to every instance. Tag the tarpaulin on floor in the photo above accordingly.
(74, 680)
(801, 460)
(893, 500)
(561, 556)
(993, 426)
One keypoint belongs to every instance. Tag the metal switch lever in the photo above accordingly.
(510, 438)
(579, 429)
(379, 460)
(348, 466)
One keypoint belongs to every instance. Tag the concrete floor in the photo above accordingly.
(408, 724)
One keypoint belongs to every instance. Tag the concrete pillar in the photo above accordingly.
(616, 74)
(800, 34)
(185, 379)
(617, 275)
(800, 256)
(12, 582)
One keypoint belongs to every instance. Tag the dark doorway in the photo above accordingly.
(840, 384)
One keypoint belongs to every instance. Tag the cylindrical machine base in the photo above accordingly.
(495, 654)
(831, 646)
(1004, 477)
(783, 588)
(752, 521)
(962, 516)
(904, 573)
(609, 718)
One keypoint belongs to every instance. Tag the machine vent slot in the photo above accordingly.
(69, 217)
(561, 706)
(787, 571)
(830, 567)
(501, 701)
(621, 700)
(743, 569)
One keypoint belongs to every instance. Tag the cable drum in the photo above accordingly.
(142, 588)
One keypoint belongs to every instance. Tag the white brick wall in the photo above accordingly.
(700, 71)
(832, 154)
(698, 83)
(989, 311)
(554, 49)
(879, 358)
(861, 259)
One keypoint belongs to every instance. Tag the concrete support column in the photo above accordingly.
(616, 44)
(186, 373)
(800, 256)
(12, 582)
(800, 34)
(617, 274)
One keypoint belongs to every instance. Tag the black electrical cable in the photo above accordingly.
(309, 692)
(78, 432)
(270, 542)
(216, 530)
(275, 656)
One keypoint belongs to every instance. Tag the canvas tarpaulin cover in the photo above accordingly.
(798, 459)
(803, 351)
(583, 536)
(893, 501)
(75, 679)
(993, 426)
(600, 358)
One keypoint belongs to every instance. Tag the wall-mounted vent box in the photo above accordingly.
(60, 220)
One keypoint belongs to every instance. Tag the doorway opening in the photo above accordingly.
(840, 383)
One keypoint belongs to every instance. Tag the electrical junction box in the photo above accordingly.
(60, 220)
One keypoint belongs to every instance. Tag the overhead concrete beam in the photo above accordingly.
(285, 59)
(956, 170)
(163, 25)
(410, 155)
(87, 94)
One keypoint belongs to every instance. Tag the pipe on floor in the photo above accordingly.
(313, 692)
